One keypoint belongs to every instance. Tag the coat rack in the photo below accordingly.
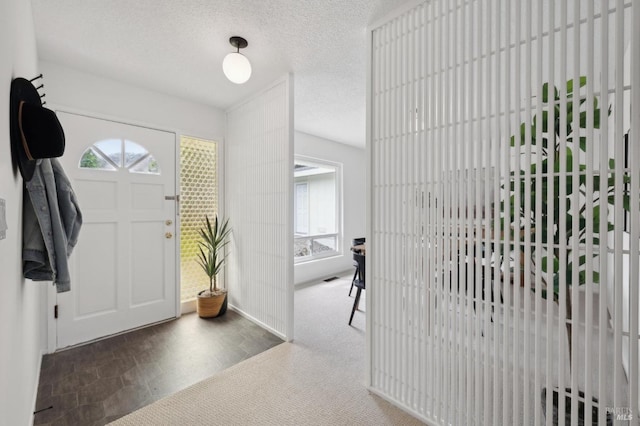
(41, 86)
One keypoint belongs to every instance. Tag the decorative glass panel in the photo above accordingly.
(133, 153)
(147, 165)
(112, 148)
(93, 160)
(198, 197)
(114, 154)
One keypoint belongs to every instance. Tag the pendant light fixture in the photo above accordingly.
(236, 66)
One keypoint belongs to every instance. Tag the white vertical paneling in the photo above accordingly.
(618, 133)
(467, 399)
(572, 295)
(486, 122)
(588, 333)
(478, 149)
(512, 120)
(259, 179)
(430, 238)
(524, 271)
(634, 173)
(533, 192)
(373, 80)
(473, 307)
(477, 98)
(603, 313)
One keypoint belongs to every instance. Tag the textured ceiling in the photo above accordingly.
(177, 46)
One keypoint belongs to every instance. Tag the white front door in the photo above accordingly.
(123, 269)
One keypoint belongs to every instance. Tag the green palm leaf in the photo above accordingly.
(211, 256)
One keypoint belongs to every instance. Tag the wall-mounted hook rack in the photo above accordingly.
(41, 86)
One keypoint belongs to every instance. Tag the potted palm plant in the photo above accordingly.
(549, 222)
(212, 302)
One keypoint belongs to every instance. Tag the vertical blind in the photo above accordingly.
(259, 189)
(504, 219)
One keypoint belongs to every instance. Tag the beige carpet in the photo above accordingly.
(317, 380)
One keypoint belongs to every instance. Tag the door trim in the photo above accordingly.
(52, 329)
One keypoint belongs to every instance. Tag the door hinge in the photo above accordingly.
(55, 311)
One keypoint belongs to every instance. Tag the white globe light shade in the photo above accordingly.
(236, 67)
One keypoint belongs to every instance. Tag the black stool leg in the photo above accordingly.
(355, 304)
(355, 275)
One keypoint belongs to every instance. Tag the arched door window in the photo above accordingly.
(116, 154)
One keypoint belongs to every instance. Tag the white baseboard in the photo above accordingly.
(401, 406)
(188, 306)
(258, 322)
(320, 280)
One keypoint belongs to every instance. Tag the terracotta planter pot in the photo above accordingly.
(211, 306)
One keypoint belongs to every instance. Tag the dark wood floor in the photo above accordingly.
(99, 382)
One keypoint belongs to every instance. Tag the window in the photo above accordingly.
(198, 198)
(318, 209)
(302, 208)
(116, 154)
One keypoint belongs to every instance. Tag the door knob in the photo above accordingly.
(168, 222)
(168, 235)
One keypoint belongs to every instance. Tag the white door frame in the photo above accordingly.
(52, 333)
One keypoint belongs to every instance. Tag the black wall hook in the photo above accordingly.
(41, 86)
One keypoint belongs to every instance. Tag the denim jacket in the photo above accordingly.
(51, 223)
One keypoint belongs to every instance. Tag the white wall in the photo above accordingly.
(22, 303)
(72, 89)
(353, 202)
